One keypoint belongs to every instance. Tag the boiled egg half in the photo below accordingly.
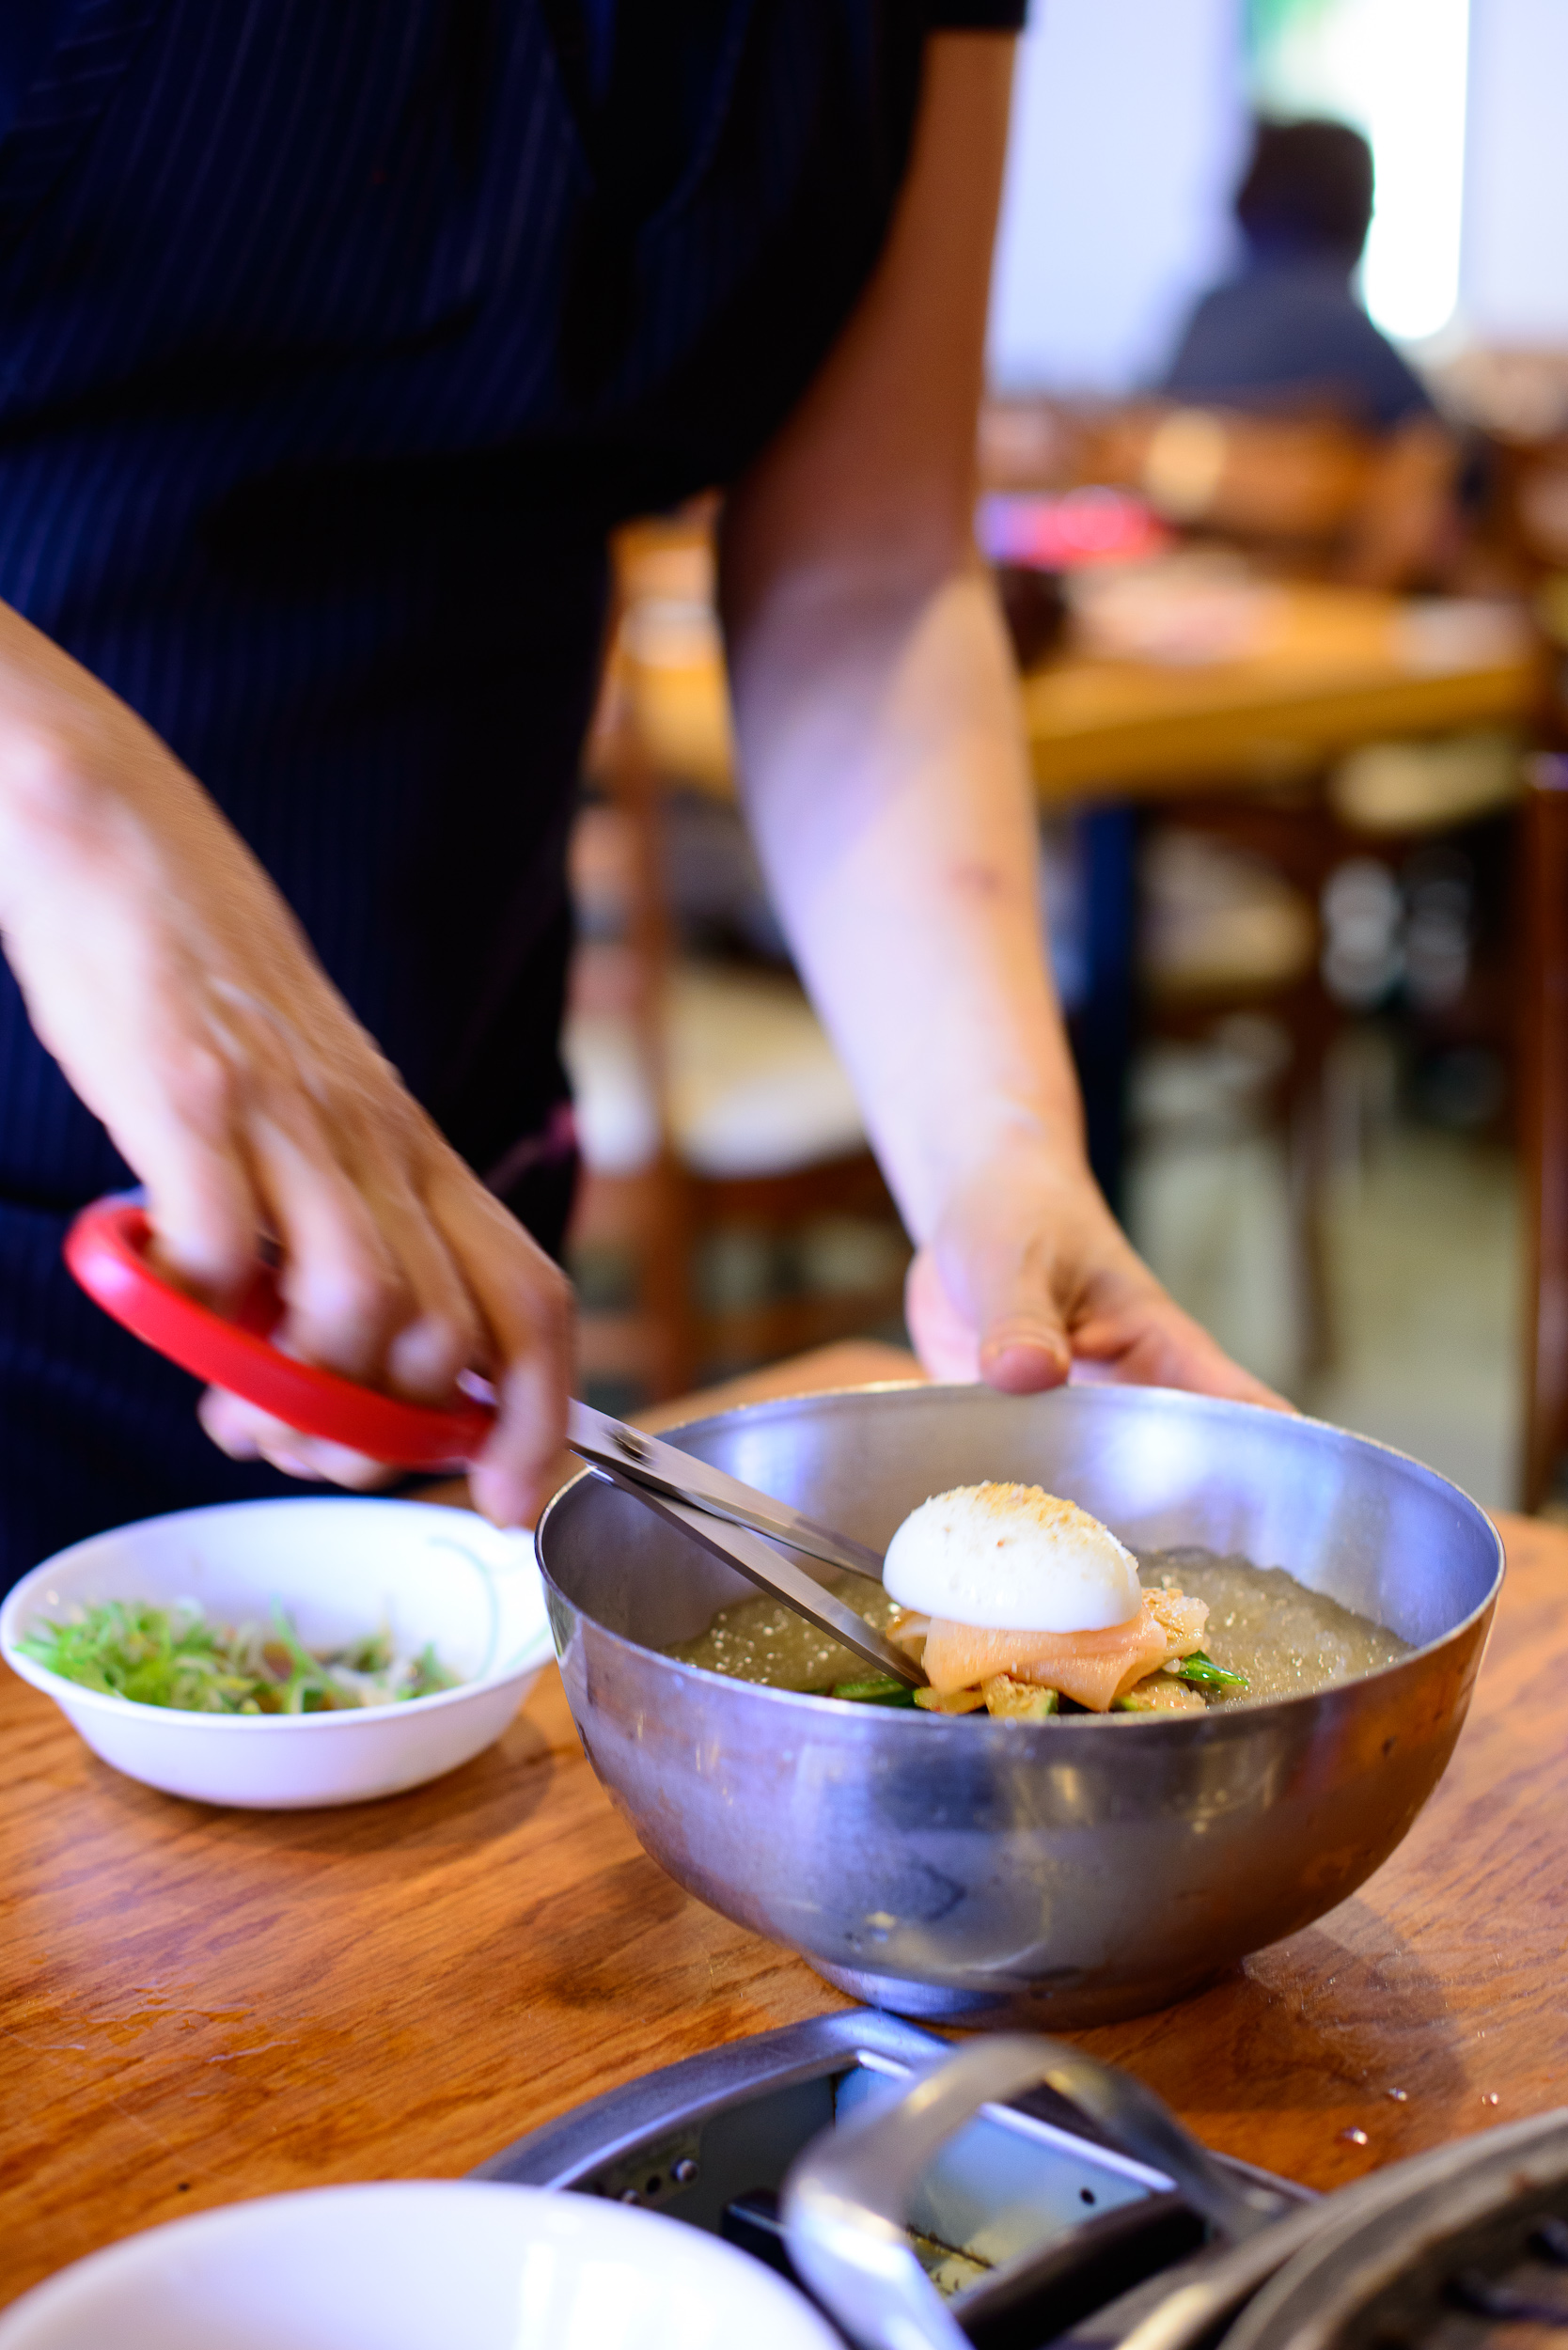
(1011, 1559)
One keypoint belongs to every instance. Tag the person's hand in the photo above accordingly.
(166, 973)
(1027, 1272)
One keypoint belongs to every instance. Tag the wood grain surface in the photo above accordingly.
(199, 2005)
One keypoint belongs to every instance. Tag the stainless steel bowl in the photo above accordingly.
(1065, 1872)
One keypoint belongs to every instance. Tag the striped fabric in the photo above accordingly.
(333, 336)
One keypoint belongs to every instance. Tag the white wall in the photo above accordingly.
(1128, 131)
(1513, 269)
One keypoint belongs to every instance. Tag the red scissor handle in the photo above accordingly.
(106, 1248)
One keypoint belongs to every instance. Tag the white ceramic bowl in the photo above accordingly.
(446, 2265)
(339, 1567)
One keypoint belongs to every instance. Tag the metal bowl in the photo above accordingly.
(1067, 1872)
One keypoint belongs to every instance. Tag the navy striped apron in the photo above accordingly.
(333, 335)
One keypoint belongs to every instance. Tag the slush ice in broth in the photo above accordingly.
(1055, 1615)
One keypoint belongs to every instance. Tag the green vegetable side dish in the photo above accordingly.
(175, 1657)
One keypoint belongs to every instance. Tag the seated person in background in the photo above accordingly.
(1288, 334)
(1286, 340)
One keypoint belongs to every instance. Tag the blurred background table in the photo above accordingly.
(1277, 862)
(199, 2006)
(1332, 666)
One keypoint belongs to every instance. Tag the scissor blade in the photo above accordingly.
(738, 1546)
(664, 1469)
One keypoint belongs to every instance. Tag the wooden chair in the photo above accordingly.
(1310, 496)
(1259, 956)
(1543, 1097)
(710, 1102)
(1528, 525)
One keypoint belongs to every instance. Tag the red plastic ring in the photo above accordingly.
(106, 1248)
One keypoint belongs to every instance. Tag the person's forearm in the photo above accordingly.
(89, 798)
(885, 774)
(55, 802)
(884, 762)
(163, 970)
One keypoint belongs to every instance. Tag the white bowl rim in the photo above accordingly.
(51, 2296)
(72, 1694)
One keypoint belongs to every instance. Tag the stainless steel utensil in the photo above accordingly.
(1426, 2250)
(666, 1469)
(845, 2204)
(875, 2133)
(864, 2156)
(728, 1519)
(109, 1250)
(1074, 1870)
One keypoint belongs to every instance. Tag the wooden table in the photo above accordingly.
(1332, 667)
(198, 2005)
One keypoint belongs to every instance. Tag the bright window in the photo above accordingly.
(1396, 68)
